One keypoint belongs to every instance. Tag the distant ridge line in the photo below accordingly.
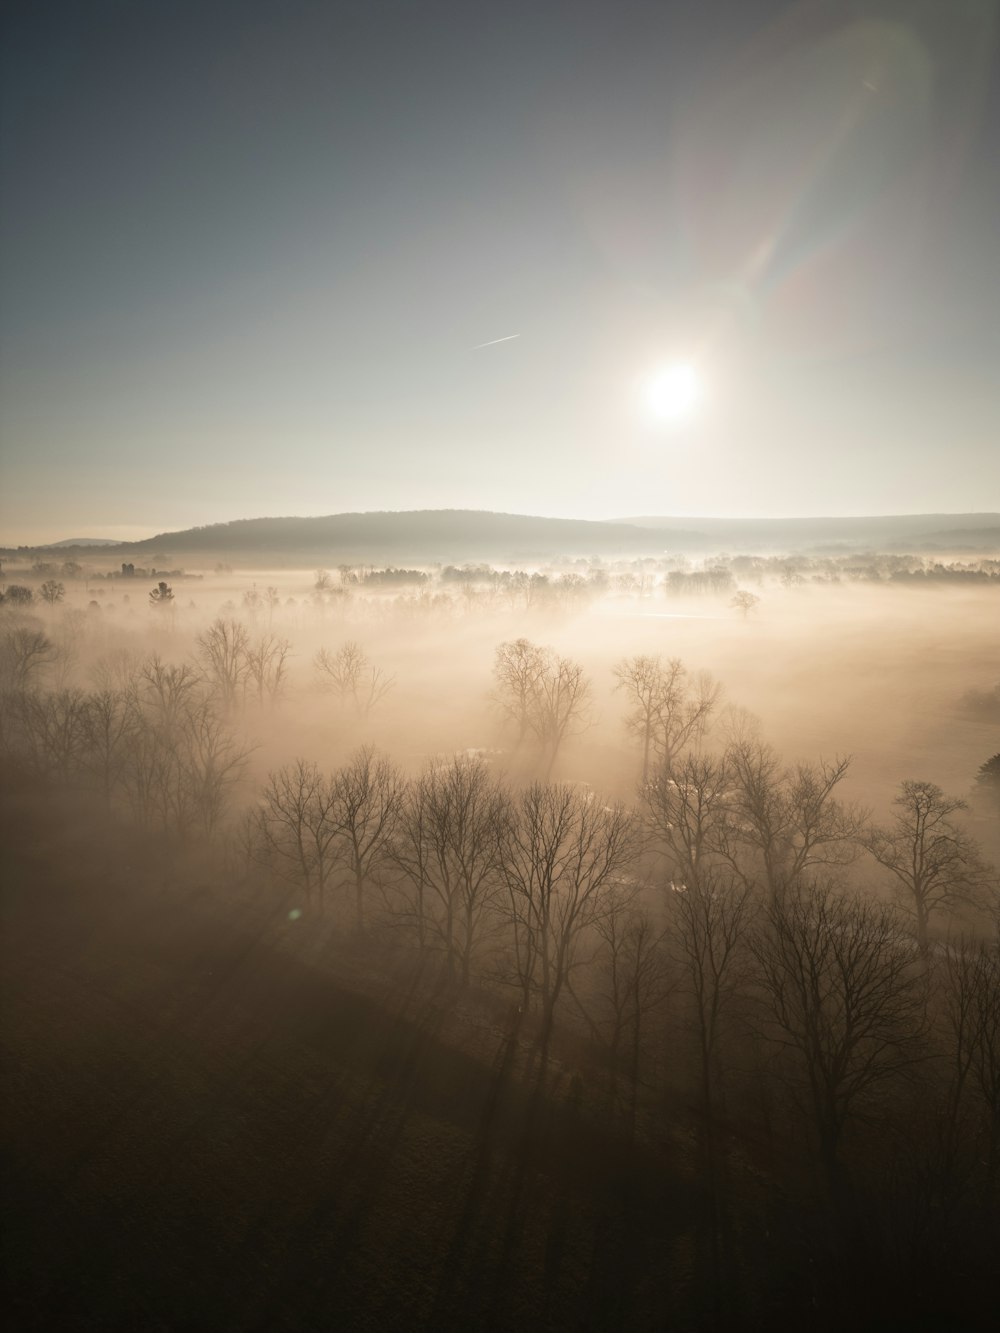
(460, 535)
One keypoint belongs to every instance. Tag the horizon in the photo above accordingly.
(146, 533)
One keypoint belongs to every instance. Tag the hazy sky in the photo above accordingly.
(249, 250)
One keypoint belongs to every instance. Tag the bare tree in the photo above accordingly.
(562, 707)
(52, 591)
(351, 678)
(369, 797)
(563, 857)
(267, 668)
(473, 815)
(745, 602)
(786, 823)
(968, 977)
(540, 694)
(412, 859)
(517, 669)
(25, 653)
(640, 679)
(47, 730)
(709, 924)
(213, 760)
(109, 723)
(686, 808)
(986, 1054)
(167, 694)
(293, 830)
(222, 650)
(175, 755)
(842, 1000)
(685, 706)
(445, 856)
(936, 866)
(118, 672)
(67, 640)
(151, 772)
(629, 979)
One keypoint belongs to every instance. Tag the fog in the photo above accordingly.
(490, 946)
(882, 673)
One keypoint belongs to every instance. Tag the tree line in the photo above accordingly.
(828, 979)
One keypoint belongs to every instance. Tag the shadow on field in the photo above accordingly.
(205, 1131)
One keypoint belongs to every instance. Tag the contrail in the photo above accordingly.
(493, 341)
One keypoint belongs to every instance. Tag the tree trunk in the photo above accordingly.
(359, 901)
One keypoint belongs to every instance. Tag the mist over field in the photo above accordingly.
(445, 944)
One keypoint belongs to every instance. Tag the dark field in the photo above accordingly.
(232, 1103)
(208, 1130)
(215, 1123)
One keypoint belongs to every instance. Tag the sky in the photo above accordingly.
(250, 252)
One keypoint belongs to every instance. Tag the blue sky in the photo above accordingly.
(247, 252)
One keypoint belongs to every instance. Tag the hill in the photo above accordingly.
(428, 536)
(913, 532)
(417, 536)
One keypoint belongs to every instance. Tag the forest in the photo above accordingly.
(608, 944)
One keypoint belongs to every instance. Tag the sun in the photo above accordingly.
(674, 392)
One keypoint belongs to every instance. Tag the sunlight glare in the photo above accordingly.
(673, 393)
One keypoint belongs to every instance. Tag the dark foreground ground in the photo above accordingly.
(209, 1127)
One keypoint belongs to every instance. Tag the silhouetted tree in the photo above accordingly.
(518, 668)
(109, 723)
(52, 591)
(684, 709)
(411, 855)
(212, 761)
(936, 866)
(640, 678)
(167, 694)
(786, 823)
(162, 596)
(988, 785)
(969, 985)
(24, 655)
(842, 1000)
(686, 809)
(668, 708)
(563, 855)
(47, 731)
(351, 678)
(709, 921)
(267, 670)
(293, 830)
(541, 694)
(222, 650)
(562, 706)
(627, 980)
(369, 798)
(745, 602)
